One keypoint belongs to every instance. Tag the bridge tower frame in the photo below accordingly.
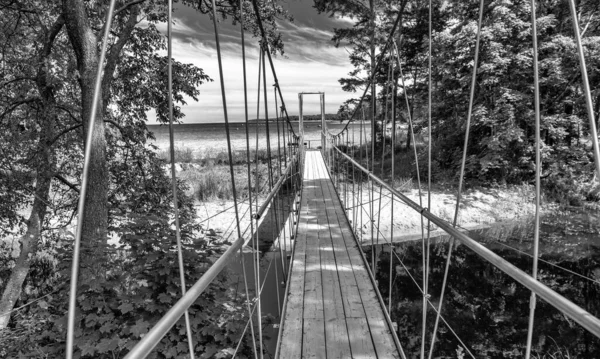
(323, 122)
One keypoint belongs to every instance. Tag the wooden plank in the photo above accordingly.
(313, 340)
(351, 299)
(337, 340)
(377, 324)
(313, 292)
(360, 338)
(291, 342)
(291, 337)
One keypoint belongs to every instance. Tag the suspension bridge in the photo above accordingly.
(333, 306)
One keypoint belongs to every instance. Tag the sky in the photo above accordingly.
(310, 63)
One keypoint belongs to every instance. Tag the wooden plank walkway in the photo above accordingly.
(332, 309)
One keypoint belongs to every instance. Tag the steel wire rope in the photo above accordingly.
(248, 165)
(274, 213)
(586, 87)
(256, 262)
(393, 140)
(174, 176)
(538, 164)
(426, 255)
(285, 160)
(461, 175)
(384, 125)
(84, 185)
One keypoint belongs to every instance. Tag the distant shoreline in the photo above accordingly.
(232, 123)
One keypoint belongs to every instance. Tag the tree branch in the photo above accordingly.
(72, 186)
(16, 104)
(64, 132)
(127, 6)
(113, 55)
(121, 129)
(73, 117)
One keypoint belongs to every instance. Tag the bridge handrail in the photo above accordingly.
(166, 322)
(275, 190)
(567, 307)
(160, 329)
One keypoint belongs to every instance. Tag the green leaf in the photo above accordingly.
(140, 327)
(107, 345)
(126, 308)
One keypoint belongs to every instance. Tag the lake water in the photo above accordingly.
(207, 138)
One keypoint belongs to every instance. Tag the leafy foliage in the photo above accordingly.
(501, 147)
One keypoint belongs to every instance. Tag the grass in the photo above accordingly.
(215, 157)
(208, 176)
(214, 181)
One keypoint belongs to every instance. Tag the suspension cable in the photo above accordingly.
(429, 174)
(586, 87)
(256, 241)
(251, 313)
(174, 178)
(391, 273)
(538, 164)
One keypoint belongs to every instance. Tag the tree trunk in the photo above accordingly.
(46, 166)
(85, 45)
(29, 243)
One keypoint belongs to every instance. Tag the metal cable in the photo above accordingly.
(256, 244)
(248, 165)
(391, 273)
(538, 168)
(84, 185)
(186, 314)
(429, 141)
(586, 87)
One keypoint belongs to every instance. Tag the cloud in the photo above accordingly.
(311, 63)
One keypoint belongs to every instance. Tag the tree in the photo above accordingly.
(50, 56)
(502, 133)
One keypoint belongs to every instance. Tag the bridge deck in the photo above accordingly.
(332, 310)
